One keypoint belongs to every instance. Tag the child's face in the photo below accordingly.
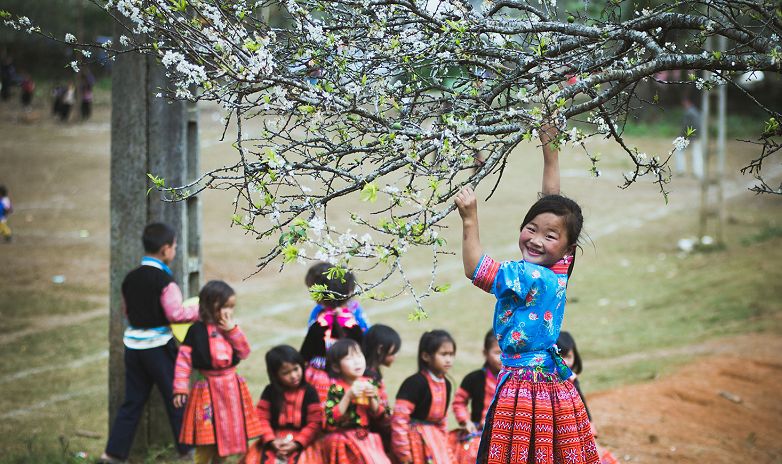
(168, 253)
(569, 358)
(440, 363)
(390, 358)
(493, 357)
(227, 310)
(352, 366)
(290, 375)
(544, 241)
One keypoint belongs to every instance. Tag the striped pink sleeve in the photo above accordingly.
(184, 364)
(171, 300)
(485, 273)
(238, 342)
(460, 406)
(400, 424)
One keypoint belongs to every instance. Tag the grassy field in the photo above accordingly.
(638, 306)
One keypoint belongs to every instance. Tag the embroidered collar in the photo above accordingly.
(434, 377)
(561, 266)
(154, 262)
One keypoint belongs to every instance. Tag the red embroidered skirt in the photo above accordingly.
(429, 444)
(463, 446)
(357, 446)
(537, 418)
(220, 411)
(260, 454)
(319, 379)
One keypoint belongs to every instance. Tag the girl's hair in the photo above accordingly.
(565, 208)
(377, 336)
(489, 340)
(315, 273)
(156, 235)
(337, 352)
(431, 342)
(338, 289)
(566, 344)
(212, 297)
(275, 358)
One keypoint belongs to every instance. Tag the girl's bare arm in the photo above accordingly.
(471, 242)
(548, 132)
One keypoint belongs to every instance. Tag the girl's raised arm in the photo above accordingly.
(549, 132)
(472, 252)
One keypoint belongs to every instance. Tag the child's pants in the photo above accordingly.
(5, 231)
(207, 454)
(143, 369)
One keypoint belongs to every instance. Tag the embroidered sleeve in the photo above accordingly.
(311, 430)
(460, 406)
(171, 300)
(400, 424)
(485, 273)
(182, 369)
(331, 411)
(360, 315)
(238, 342)
(263, 408)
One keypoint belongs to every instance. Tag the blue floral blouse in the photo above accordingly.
(529, 311)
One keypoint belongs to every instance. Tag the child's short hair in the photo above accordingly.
(213, 296)
(566, 344)
(431, 342)
(338, 289)
(316, 273)
(156, 235)
(380, 335)
(489, 340)
(337, 352)
(3, 191)
(276, 357)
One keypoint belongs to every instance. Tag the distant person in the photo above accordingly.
(7, 208)
(6, 75)
(318, 274)
(87, 82)
(28, 86)
(152, 301)
(58, 93)
(692, 119)
(68, 99)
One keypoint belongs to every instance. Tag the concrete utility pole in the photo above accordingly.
(148, 135)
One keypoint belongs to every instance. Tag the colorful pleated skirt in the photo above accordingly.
(429, 444)
(259, 454)
(354, 446)
(536, 417)
(220, 412)
(464, 446)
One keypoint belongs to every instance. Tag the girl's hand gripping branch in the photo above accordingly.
(472, 252)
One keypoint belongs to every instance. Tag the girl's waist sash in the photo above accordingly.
(543, 361)
(204, 374)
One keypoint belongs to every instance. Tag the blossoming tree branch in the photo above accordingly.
(404, 102)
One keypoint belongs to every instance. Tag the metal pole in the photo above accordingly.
(704, 211)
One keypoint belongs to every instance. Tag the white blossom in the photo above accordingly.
(681, 143)
(70, 38)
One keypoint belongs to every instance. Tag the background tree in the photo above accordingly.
(404, 102)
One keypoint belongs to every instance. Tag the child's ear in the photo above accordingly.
(380, 350)
(571, 250)
(427, 359)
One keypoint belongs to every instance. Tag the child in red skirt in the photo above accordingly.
(537, 415)
(418, 428)
(478, 389)
(219, 415)
(351, 407)
(290, 414)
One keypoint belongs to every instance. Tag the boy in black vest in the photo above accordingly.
(152, 301)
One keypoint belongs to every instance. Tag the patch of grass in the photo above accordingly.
(42, 450)
(56, 302)
(642, 370)
(770, 230)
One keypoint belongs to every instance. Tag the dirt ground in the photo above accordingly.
(722, 406)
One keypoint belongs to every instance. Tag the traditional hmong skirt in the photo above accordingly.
(319, 379)
(536, 417)
(429, 444)
(464, 446)
(355, 446)
(220, 411)
(259, 454)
